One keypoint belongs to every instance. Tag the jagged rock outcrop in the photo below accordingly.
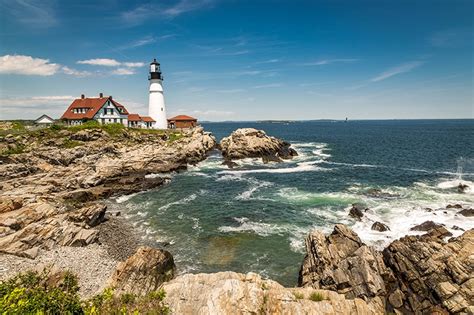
(433, 274)
(253, 143)
(341, 262)
(235, 293)
(143, 272)
(45, 193)
(415, 274)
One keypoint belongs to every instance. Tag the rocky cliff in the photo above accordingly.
(49, 190)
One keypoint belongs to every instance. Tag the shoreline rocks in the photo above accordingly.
(143, 272)
(235, 293)
(415, 274)
(253, 143)
(49, 194)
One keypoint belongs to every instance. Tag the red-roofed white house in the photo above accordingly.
(105, 110)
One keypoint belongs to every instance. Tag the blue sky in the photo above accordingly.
(242, 60)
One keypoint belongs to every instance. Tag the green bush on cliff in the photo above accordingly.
(39, 293)
(57, 293)
(127, 303)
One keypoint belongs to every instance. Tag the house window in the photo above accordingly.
(105, 111)
(162, 109)
(115, 120)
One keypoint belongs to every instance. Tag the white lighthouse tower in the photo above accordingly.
(156, 101)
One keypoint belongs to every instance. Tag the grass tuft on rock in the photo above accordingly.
(298, 295)
(316, 297)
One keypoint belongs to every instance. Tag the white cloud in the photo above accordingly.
(133, 64)
(35, 101)
(123, 71)
(27, 65)
(106, 62)
(405, 67)
(100, 62)
(75, 72)
(328, 61)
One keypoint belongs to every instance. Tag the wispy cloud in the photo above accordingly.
(147, 40)
(403, 68)
(231, 91)
(451, 38)
(270, 85)
(27, 65)
(33, 13)
(75, 72)
(113, 63)
(123, 71)
(144, 12)
(328, 61)
(269, 61)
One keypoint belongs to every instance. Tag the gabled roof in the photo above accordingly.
(134, 117)
(182, 117)
(124, 110)
(147, 119)
(43, 116)
(93, 105)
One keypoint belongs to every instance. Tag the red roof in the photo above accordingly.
(182, 118)
(134, 117)
(92, 106)
(147, 119)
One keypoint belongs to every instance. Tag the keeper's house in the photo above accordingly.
(104, 110)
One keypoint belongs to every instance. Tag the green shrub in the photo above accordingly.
(69, 144)
(19, 148)
(113, 129)
(316, 297)
(172, 137)
(47, 293)
(127, 303)
(298, 295)
(36, 293)
(18, 125)
(56, 127)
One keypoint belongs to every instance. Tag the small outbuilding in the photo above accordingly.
(182, 121)
(44, 120)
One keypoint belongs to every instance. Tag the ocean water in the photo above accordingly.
(255, 217)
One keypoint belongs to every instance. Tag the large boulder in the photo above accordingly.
(342, 263)
(253, 143)
(433, 274)
(143, 272)
(234, 293)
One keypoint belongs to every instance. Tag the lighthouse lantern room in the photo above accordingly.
(156, 101)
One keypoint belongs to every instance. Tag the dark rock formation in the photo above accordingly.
(356, 211)
(462, 188)
(467, 212)
(426, 226)
(379, 226)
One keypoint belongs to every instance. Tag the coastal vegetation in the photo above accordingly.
(50, 292)
(17, 137)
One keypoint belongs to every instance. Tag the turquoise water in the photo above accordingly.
(255, 217)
